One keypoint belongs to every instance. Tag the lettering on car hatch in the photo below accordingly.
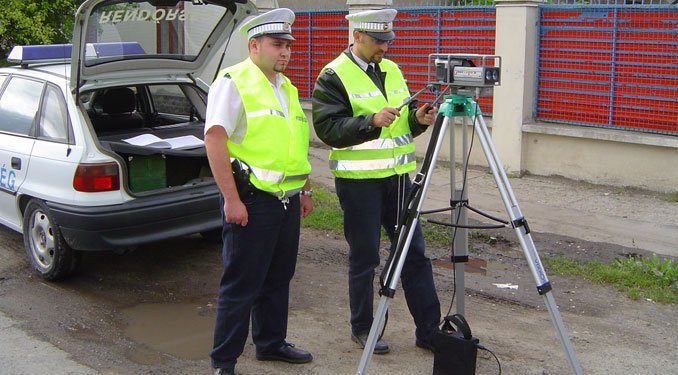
(7, 178)
(135, 15)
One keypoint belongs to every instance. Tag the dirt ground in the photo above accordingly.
(151, 311)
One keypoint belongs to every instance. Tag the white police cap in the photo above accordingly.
(375, 23)
(276, 23)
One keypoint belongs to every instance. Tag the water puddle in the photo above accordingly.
(183, 330)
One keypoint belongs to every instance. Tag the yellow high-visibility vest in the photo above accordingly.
(274, 147)
(393, 152)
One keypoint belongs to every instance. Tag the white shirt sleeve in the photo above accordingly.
(225, 109)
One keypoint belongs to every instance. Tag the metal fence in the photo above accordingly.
(323, 35)
(612, 66)
(609, 66)
(302, 5)
(611, 2)
(320, 37)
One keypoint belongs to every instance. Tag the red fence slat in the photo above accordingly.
(613, 67)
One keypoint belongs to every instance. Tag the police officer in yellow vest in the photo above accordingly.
(354, 112)
(255, 119)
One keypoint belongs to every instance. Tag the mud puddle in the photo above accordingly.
(182, 330)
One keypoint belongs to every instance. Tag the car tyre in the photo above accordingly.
(46, 248)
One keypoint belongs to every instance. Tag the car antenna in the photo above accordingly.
(221, 60)
(68, 115)
(76, 89)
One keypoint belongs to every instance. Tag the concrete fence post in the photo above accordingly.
(515, 42)
(265, 5)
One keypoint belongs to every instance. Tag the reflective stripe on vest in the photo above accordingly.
(371, 165)
(366, 95)
(382, 143)
(274, 147)
(393, 152)
(265, 112)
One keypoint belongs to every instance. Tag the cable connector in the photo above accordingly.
(521, 222)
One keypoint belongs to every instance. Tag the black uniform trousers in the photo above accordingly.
(369, 204)
(259, 261)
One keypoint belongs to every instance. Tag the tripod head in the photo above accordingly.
(467, 74)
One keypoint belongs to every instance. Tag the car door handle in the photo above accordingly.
(16, 163)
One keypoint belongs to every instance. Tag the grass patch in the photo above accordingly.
(327, 214)
(619, 191)
(437, 235)
(636, 276)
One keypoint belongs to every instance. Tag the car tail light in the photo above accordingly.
(96, 177)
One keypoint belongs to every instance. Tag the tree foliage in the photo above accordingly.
(25, 22)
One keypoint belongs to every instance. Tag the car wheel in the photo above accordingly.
(47, 250)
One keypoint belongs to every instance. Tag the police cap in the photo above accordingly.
(376, 23)
(276, 23)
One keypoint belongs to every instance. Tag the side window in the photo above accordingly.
(19, 104)
(169, 99)
(54, 116)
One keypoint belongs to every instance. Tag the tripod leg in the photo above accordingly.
(406, 232)
(523, 232)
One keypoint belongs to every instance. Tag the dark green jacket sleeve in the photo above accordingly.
(333, 117)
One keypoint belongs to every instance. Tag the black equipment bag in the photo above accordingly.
(455, 348)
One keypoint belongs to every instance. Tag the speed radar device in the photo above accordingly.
(468, 72)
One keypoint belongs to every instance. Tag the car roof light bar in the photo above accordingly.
(61, 53)
(97, 50)
(40, 54)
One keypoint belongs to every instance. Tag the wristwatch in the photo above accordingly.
(308, 193)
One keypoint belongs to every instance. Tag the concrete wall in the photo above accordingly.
(602, 156)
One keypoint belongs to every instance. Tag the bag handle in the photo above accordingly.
(458, 321)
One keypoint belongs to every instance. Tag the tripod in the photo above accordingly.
(453, 106)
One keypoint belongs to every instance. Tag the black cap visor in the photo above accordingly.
(385, 36)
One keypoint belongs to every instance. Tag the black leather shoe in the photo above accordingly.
(380, 348)
(425, 344)
(286, 353)
(224, 371)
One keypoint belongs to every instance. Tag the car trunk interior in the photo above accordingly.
(163, 112)
(150, 168)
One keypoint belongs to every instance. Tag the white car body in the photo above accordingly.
(77, 185)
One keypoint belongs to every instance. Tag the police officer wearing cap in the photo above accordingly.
(254, 119)
(354, 111)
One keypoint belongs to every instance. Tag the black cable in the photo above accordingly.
(487, 215)
(491, 352)
(497, 226)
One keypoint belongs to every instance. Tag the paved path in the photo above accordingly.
(24, 354)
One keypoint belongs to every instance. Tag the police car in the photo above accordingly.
(101, 140)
